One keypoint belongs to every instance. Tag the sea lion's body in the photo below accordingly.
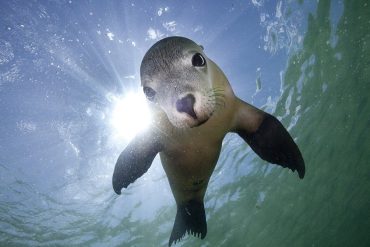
(190, 162)
(194, 109)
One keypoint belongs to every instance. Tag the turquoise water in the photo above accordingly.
(57, 156)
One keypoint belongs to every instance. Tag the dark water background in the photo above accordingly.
(59, 64)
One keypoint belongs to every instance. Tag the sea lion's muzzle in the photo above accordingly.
(186, 105)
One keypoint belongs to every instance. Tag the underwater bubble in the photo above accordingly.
(6, 52)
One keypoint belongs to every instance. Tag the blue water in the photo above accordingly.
(64, 65)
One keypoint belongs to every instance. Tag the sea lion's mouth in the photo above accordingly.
(200, 123)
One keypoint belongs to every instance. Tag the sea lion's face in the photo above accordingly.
(174, 75)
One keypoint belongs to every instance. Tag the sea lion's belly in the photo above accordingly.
(189, 166)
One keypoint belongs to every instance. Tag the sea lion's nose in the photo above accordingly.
(186, 105)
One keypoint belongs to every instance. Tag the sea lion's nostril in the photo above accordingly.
(186, 105)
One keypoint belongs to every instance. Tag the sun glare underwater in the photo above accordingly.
(130, 115)
(71, 101)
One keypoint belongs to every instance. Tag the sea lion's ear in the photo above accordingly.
(268, 138)
(201, 47)
(135, 160)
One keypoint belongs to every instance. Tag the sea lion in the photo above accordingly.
(194, 108)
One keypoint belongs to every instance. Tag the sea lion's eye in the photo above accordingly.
(198, 60)
(149, 93)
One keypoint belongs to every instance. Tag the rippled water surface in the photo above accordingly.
(64, 65)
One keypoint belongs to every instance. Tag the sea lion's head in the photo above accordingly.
(175, 76)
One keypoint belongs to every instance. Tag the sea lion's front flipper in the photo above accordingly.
(191, 219)
(268, 138)
(135, 160)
